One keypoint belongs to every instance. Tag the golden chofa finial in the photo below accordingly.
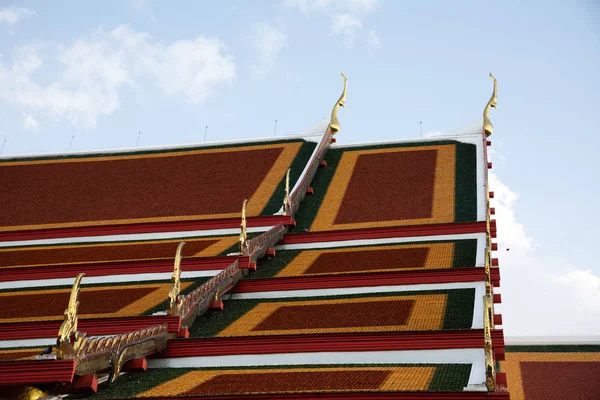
(286, 211)
(488, 128)
(243, 233)
(334, 124)
(175, 281)
(69, 325)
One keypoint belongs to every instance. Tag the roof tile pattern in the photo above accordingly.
(542, 373)
(378, 312)
(95, 302)
(114, 251)
(161, 186)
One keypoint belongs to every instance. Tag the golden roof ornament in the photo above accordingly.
(287, 193)
(69, 325)
(243, 233)
(488, 128)
(334, 124)
(175, 281)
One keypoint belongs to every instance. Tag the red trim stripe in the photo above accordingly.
(382, 233)
(148, 227)
(32, 372)
(336, 342)
(449, 275)
(118, 268)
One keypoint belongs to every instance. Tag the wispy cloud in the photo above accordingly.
(340, 5)
(12, 15)
(91, 72)
(346, 26)
(347, 17)
(373, 39)
(29, 122)
(543, 294)
(268, 41)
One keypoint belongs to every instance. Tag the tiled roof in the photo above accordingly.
(377, 312)
(186, 184)
(416, 183)
(553, 372)
(373, 258)
(44, 304)
(306, 378)
(80, 253)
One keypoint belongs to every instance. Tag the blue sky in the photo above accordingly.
(104, 71)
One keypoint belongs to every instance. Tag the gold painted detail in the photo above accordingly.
(488, 128)
(243, 233)
(334, 124)
(286, 198)
(175, 279)
(68, 329)
(488, 325)
(95, 354)
(31, 393)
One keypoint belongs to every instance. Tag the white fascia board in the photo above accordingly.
(7, 344)
(133, 237)
(94, 280)
(479, 287)
(479, 261)
(475, 357)
(551, 340)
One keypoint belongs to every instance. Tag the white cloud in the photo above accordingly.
(88, 75)
(347, 26)
(373, 39)
(511, 233)
(340, 5)
(12, 15)
(543, 294)
(268, 41)
(30, 122)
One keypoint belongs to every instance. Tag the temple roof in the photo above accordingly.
(362, 269)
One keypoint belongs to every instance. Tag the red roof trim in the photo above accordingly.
(339, 342)
(381, 233)
(149, 227)
(118, 268)
(31, 372)
(449, 275)
(93, 327)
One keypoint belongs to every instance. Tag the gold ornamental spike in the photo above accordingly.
(287, 193)
(488, 128)
(175, 280)
(334, 124)
(69, 325)
(243, 233)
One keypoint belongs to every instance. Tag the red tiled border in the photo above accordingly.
(371, 279)
(117, 268)
(339, 342)
(382, 233)
(149, 227)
